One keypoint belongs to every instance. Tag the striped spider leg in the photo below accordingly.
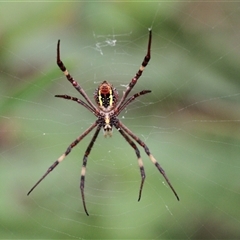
(106, 110)
(124, 131)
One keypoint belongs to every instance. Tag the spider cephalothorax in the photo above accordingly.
(106, 111)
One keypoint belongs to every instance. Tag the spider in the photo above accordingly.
(107, 110)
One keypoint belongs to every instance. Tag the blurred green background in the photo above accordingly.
(190, 121)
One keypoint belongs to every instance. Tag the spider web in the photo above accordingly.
(190, 121)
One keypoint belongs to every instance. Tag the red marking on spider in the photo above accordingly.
(105, 88)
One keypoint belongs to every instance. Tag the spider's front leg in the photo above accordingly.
(140, 162)
(83, 171)
(61, 158)
(121, 127)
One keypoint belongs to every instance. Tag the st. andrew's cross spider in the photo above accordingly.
(107, 110)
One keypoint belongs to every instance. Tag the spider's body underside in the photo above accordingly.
(107, 110)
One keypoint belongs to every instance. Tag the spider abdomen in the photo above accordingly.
(106, 96)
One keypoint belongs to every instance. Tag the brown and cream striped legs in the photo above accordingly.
(125, 132)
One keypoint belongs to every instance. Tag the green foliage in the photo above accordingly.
(190, 120)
